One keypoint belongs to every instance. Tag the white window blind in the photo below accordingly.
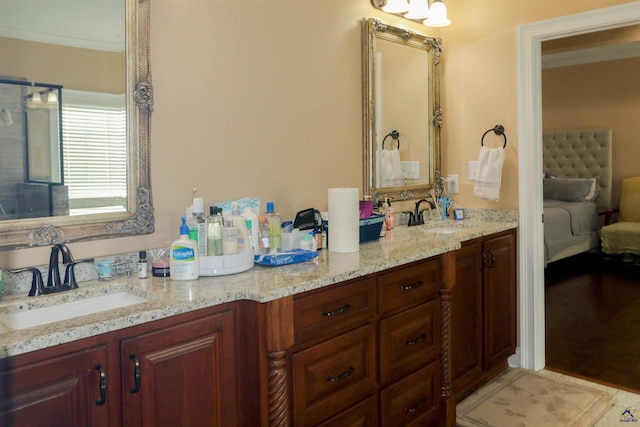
(95, 147)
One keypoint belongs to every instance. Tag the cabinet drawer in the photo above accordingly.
(413, 401)
(335, 309)
(364, 414)
(409, 340)
(409, 286)
(332, 376)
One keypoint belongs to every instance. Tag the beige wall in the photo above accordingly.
(600, 95)
(263, 98)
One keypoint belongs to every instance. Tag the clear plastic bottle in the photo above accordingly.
(197, 225)
(275, 224)
(264, 243)
(214, 232)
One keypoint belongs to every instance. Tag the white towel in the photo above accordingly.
(5, 117)
(489, 173)
(390, 168)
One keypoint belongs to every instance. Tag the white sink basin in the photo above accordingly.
(68, 310)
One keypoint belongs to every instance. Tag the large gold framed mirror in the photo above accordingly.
(97, 54)
(402, 116)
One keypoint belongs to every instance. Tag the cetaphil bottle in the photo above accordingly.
(184, 263)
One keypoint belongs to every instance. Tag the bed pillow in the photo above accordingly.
(571, 189)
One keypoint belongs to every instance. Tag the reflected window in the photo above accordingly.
(95, 151)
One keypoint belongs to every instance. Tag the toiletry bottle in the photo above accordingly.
(143, 266)
(264, 244)
(248, 215)
(197, 225)
(184, 263)
(273, 218)
(244, 240)
(214, 232)
(391, 215)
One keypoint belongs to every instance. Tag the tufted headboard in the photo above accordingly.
(580, 154)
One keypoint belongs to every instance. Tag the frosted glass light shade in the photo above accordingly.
(52, 98)
(437, 15)
(35, 97)
(418, 9)
(396, 6)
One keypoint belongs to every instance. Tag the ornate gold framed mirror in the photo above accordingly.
(125, 25)
(402, 115)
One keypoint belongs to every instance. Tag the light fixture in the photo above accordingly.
(36, 98)
(396, 6)
(418, 9)
(52, 97)
(437, 15)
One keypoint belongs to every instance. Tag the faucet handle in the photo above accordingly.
(37, 286)
(70, 275)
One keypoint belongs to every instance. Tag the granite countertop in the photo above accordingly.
(166, 298)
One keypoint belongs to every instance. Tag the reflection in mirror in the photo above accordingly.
(74, 161)
(402, 117)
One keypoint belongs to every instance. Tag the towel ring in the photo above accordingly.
(497, 129)
(393, 134)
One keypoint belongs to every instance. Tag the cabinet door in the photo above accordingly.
(499, 300)
(182, 375)
(466, 319)
(57, 391)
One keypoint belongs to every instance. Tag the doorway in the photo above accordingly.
(531, 244)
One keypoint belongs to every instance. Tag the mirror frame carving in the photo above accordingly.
(373, 28)
(138, 219)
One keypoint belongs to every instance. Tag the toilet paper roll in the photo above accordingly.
(344, 222)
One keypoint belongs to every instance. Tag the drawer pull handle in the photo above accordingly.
(416, 341)
(136, 374)
(341, 310)
(103, 386)
(350, 370)
(416, 408)
(412, 286)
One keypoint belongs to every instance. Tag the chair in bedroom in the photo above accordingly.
(623, 236)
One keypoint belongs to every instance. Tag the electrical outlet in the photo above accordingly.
(411, 169)
(454, 186)
(473, 170)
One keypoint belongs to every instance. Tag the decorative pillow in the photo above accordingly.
(571, 189)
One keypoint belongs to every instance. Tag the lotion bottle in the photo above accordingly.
(184, 263)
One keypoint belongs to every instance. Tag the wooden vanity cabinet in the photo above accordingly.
(483, 311)
(366, 352)
(186, 377)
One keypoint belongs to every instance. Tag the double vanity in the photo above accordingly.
(394, 334)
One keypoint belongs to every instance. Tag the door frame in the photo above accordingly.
(531, 241)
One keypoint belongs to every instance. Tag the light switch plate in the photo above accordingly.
(473, 170)
(411, 169)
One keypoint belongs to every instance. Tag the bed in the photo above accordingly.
(577, 185)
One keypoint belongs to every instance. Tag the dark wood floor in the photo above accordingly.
(593, 319)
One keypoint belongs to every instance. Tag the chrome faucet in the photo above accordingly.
(53, 279)
(417, 216)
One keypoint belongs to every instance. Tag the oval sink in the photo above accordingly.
(69, 310)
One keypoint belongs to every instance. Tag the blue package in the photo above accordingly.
(292, 257)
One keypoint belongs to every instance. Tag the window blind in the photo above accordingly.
(95, 146)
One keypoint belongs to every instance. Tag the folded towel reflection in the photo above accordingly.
(489, 174)
(5, 117)
(390, 168)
